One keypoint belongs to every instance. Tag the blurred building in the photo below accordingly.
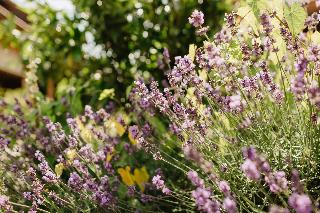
(11, 67)
(313, 6)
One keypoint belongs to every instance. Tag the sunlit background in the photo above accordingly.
(64, 5)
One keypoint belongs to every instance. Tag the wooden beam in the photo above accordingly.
(8, 80)
(312, 7)
(5, 13)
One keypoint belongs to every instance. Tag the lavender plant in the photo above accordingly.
(243, 111)
(243, 119)
(87, 164)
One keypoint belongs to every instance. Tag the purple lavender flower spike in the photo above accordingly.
(196, 18)
(224, 187)
(203, 201)
(156, 180)
(230, 205)
(250, 169)
(195, 179)
(301, 203)
(278, 209)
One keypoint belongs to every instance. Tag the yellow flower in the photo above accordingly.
(126, 176)
(71, 154)
(114, 128)
(85, 133)
(120, 129)
(59, 169)
(131, 139)
(110, 155)
(141, 177)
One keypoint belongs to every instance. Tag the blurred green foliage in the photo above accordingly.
(135, 32)
(107, 44)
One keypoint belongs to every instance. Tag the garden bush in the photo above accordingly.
(101, 45)
(137, 31)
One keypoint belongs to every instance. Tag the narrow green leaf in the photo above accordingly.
(192, 51)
